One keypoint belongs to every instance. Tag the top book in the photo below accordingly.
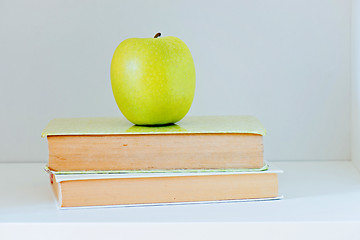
(214, 142)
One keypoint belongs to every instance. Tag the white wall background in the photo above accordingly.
(355, 87)
(285, 61)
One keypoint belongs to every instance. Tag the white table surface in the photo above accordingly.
(321, 191)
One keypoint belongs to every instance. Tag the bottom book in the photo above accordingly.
(87, 189)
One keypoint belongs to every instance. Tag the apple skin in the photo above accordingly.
(153, 80)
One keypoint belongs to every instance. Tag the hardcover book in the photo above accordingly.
(85, 144)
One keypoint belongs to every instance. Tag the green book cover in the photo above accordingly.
(120, 126)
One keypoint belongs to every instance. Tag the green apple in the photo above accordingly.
(153, 79)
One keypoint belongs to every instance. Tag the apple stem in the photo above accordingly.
(157, 35)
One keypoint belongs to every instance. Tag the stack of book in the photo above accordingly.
(108, 161)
